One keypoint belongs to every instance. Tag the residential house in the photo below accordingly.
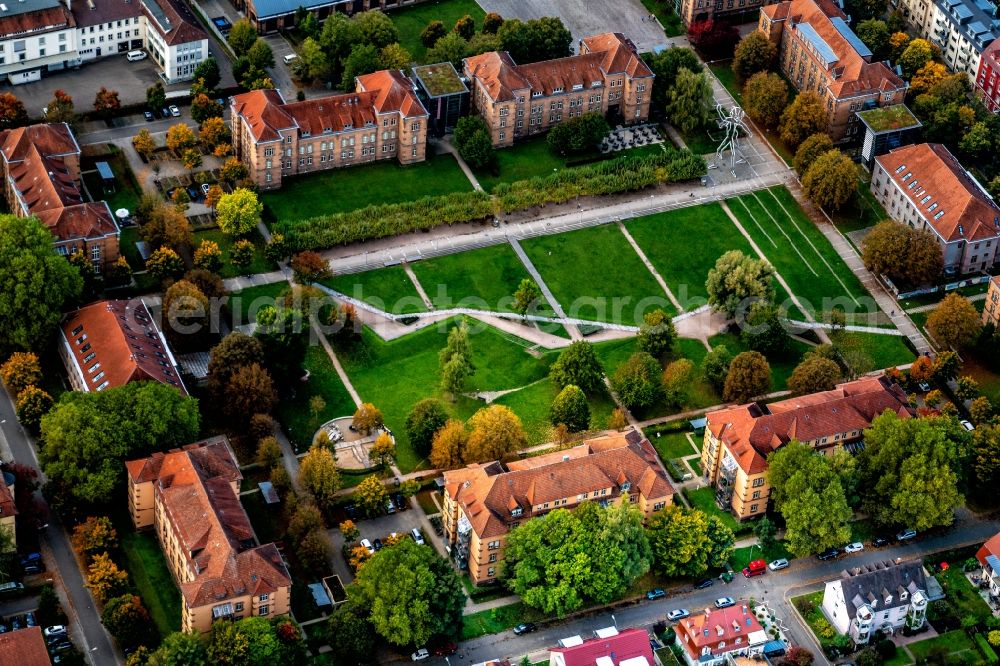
(881, 597)
(41, 168)
(190, 497)
(382, 120)
(991, 307)
(738, 439)
(925, 187)
(111, 343)
(517, 101)
(8, 510)
(987, 84)
(989, 558)
(23, 647)
(962, 29)
(273, 15)
(609, 647)
(483, 502)
(711, 637)
(819, 52)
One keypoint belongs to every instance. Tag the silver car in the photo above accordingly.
(677, 614)
(777, 565)
(855, 547)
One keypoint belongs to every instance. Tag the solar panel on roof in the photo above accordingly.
(852, 39)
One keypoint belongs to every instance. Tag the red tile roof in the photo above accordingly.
(754, 430)
(629, 644)
(991, 547)
(34, 160)
(23, 647)
(620, 55)
(183, 26)
(48, 139)
(720, 630)
(48, 18)
(969, 212)
(394, 92)
(86, 220)
(263, 111)
(120, 340)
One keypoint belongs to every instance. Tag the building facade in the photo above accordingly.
(8, 509)
(924, 186)
(381, 120)
(517, 101)
(710, 637)
(987, 83)
(739, 439)
(963, 29)
(988, 556)
(691, 11)
(190, 497)
(819, 52)
(991, 308)
(483, 502)
(608, 647)
(882, 597)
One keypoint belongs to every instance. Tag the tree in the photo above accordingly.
(235, 351)
(715, 366)
(180, 137)
(383, 450)
(376, 28)
(903, 254)
(106, 102)
(831, 181)
(909, 470)
(580, 134)
(755, 53)
(805, 116)
(465, 26)
(12, 111)
(449, 445)
(156, 96)
(237, 213)
(394, 56)
(260, 55)
(233, 170)
(946, 366)
(143, 143)
(682, 543)
(927, 77)
(813, 375)
(127, 620)
(255, 640)
(527, 297)
(978, 141)
(241, 253)
(496, 431)
(367, 417)
(213, 132)
(917, 53)
(810, 150)
(280, 331)
(472, 140)
(352, 639)
(637, 381)
(875, 35)
(765, 97)
(319, 477)
(535, 40)
(20, 371)
(455, 361)
(60, 109)
(250, 391)
(765, 531)
(665, 66)
(371, 495)
(208, 73)
(716, 39)
(35, 284)
(118, 273)
(424, 421)
(241, 37)
(167, 225)
(268, 452)
(690, 101)
(309, 266)
(981, 410)
(954, 322)
(180, 649)
(570, 408)
(764, 330)
(434, 31)
(578, 365)
(985, 461)
(749, 376)
(450, 48)
(105, 579)
(208, 255)
(966, 388)
(32, 404)
(164, 263)
(657, 333)
(737, 279)
(797, 656)
(191, 160)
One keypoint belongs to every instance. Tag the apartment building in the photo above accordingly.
(111, 343)
(273, 15)
(381, 120)
(716, 636)
(988, 556)
(608, 647)
(190, 496)
(483, 502)
(8, 510)
(691, 11)
(991, 307)
(739, 439)
(517, 101)
(818, 51)
(925, 187)
(39, 36)
(987, 83)
(881, 597)
(41, 169)
(963, 29)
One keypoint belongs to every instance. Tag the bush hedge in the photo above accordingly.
(989, 654)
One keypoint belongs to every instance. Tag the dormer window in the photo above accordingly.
(903, 596)
(937, 215)
(900, 168)
(595, 84)
(626, 486)
(577, 86)
(536, 93)
(557, 90)
(515, 512)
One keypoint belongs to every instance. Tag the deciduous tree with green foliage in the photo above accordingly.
(234, 351)
(637, 381)
(665, 66)
(765, 97)
(180, 649)
(434, 31)
(319, 477)
(422, 423)
(831, 181)
(715, 366)
(677, 378)
(237, 213)
(579, 134)
(570, 408)
(805, 116)
(473, 142)
(690, 102)
(535, 40)
(955, 322)
(875, 35)
(917, 53)
(657, 333)
(736, 279)
(242, 35)
(764, 330)
(749, 376)
(455, 361)
(754, 53)
(450, 48)
(255, 640)
(905, 255)
(814, 374)
(810, 150)
(127, 620)
(681, 543)
(578, 365)
(526, 297)
(376, 28)
(351, 636)
(32, 404)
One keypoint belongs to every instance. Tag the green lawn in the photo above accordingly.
(388, 289)
(664, 10)
(742, 556)
(955, 642)
(671, 445)
(486, 278)
(701, 141)
(496, 620)
(295, 413)
(931, 299)
(704, 499)
(885, 351)
(126, 194)
(532, 404)
(339, 190)
(148, 571)
(818, 624)
(596, 274)
(666, 655)
(259, 264)
(245, 303)
(411, 21)
(126, 241)
(526, 159)
(960, 593)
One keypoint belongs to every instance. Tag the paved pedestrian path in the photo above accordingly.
(574, 332)
(419, 287)
(446, 144)
(649, 265)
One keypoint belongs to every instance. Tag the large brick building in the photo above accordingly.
(516, 101)
(381, 120)
(987, 83)
(190, 496)
(818, 51)
(925, 187)
(691, 11)
(483, 502)
(739, 439)
(41, 168)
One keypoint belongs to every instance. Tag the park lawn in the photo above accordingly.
(152, 579)
(741, 557)
(530, 158)
(245, 303)
(885, 351)
(498, 619)
(260, 263)
(664, 10)
(484, 279)
(988, 379)
(956, 642)
(704, 499)
(532, 404)
(295, 413)
(700, 141)
(596, 274)
(410, 21)
(395, 375)
(389, 289)
(341, 190)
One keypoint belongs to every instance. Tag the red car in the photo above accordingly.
(755, 568)
(444, 649)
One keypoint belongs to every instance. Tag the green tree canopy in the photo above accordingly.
(805, 116)
(831, 181)
(538, 39)
(765, 97)
(735, 279)
(665, 66)
(954, 322)
(689, 101)
(578, 365)
(749, 376)
(637, 381)
(908, 256)
(579, 134)
(682, 541)
(422, 423)
(657, 333)
(814, 374)
(810, 150)
(570, 408)
(753, 54)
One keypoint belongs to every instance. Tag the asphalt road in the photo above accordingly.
(16, 444)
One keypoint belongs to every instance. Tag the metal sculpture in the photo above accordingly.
(734, 126)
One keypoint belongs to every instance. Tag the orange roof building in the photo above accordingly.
(23, 647)
(709, 636)
(8, 509)
(111, 343)
(190, 496)
(483, 502)
(819, 52)
(382, 120)
(925, 187)
(738, 439)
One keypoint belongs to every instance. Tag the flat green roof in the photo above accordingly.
(889, 118)
(440, 79)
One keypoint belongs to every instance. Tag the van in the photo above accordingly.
(755, 568)
(417, 536)
(132, 56)
(290, 58)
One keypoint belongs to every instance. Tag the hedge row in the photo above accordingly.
(622, 174)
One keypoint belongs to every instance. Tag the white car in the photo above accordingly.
(967, 425)
(56, 630)
(725, 602)
(420, 654)
(855, 547)
(677, 614)
(367, 545)
(174, 111)
(777, 565)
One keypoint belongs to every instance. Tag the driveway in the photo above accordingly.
(17, 607)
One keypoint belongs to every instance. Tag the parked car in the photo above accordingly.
(148, 115)
(33, 569)
(61, 646)
(164, 112)
(30, 558)
(55, 631)
(401, 503)
(525, 628)
(778, 565)
(29, 619)
(678, 614)
(193, 193)
(352, 511)
(878, 542)
(378, 544)
(12, 587)
(967, 425)
(420, 654)
(417, 536)
(855, 547)
(390, 506)
(368, 546)
(755, 568)
(702, 584)
(444, 649)
(655, 594)
(16, 624)
(174, 111)
(906, 535)
(3, 628)
(924, 386)
(828, 554)
(725, 602)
